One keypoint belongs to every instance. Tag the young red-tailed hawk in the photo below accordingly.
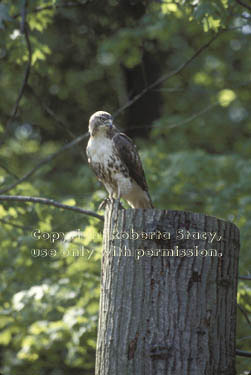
(116, 162)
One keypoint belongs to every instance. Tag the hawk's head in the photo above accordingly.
(100, 121)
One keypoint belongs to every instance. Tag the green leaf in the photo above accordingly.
(4, 15)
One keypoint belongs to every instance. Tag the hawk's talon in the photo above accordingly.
(108, 201)
(104, 203)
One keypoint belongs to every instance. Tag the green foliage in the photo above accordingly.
(196, 156)
(4, 15)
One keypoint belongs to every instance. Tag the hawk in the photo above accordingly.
(114, 158)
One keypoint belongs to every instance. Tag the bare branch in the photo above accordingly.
(80, 138)
(49, 202)
(244, 338)
(186, 121)
(244, 313)
(245, 277)
(24, 29)
(167, 76)
(51, 113)
(23, 15)
(244, 4)
(26, 75)
(242, 353)
(43, 162)
(6, 169)
(194, 116)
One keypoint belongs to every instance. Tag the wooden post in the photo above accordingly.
(168, 294)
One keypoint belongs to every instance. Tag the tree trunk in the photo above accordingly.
(168, 294)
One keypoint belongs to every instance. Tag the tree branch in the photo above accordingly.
(244, 4)
(245, 277)
(242, 353)
(244, 338)
(51, 113)
(185, 121)
(43, 162)
(23, 15)
(167, 76)
(6, 169)
(244, 313)
(80, 138)
(24, 30)
(49, 202)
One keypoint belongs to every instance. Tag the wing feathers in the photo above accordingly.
(129, 155)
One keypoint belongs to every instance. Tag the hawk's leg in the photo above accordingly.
(117, 201)
(117, 206)
(111, 200)
(107, 201)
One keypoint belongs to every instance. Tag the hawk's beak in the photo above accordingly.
(109, 123)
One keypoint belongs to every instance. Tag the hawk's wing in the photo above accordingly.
(128, 153)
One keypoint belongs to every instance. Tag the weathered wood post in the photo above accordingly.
(168, 294)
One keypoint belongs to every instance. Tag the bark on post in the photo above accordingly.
(163, 313)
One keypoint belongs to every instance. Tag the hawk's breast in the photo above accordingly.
(108, 165)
